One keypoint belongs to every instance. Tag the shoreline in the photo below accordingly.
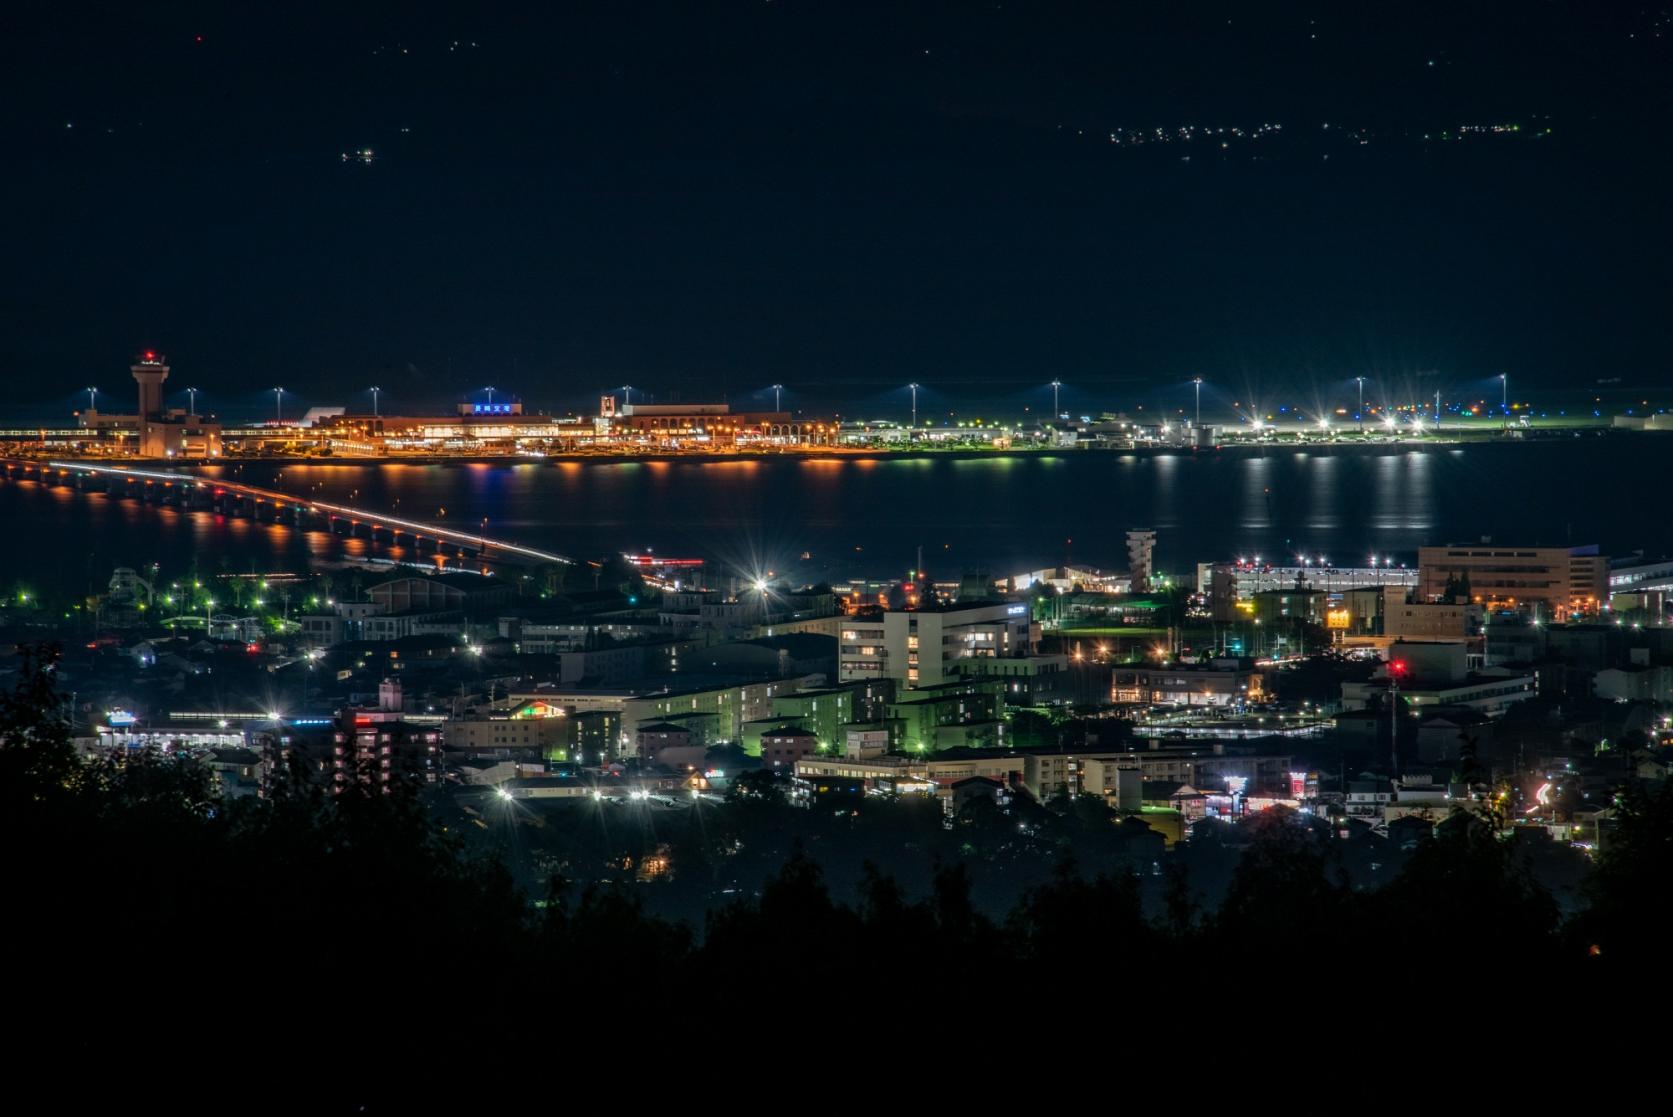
(1445, 440)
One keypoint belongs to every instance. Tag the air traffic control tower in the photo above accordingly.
(155, 431)
(150, 372)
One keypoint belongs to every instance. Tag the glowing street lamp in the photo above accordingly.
(192, 400)
(1504, 393)
(1359, 415)
(92, 399)
(375, 391)
(1198, 383)
(278, 405)
(777, 388)
(1056, 411)
(914, 388)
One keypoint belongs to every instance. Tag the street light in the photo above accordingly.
(914, 388)
(1056, 411)
(627, 395)
(92, 399)
(1198, 383)
(375, 391)
(192, 397)
(490, 395)
(1359, 416)
(278, 405)
(1504, 393)
(777, 388)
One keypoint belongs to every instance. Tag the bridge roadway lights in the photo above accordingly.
(190, 494)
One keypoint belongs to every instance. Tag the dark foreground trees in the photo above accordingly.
(135, 895)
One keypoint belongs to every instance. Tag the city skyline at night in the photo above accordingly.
(699, 549)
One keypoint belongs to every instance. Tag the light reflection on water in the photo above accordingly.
(868, 515)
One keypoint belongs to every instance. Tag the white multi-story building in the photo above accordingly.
(918, 647)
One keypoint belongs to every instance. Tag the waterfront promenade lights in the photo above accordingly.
(375, 391)
(192, 400)
(1198, 383)
(914, 388)
(1056, 411)
(278, 405)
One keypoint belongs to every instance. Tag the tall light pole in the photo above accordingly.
(777, 388)
(1198, 383)
(375, 391)
(1359, 416)
(192, 400)
(1504, 393)
(92, 399)
(914, 388)
(627, 395)
(278, 405)
(1056, 411)
(490, 395)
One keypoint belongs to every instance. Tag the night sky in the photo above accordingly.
(703, 199)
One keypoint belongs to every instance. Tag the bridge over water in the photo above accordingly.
(234, 498)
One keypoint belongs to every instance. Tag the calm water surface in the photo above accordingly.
(999, 514)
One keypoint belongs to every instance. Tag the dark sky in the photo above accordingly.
(702, 199)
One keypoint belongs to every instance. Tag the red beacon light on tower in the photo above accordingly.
(1397, 668)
